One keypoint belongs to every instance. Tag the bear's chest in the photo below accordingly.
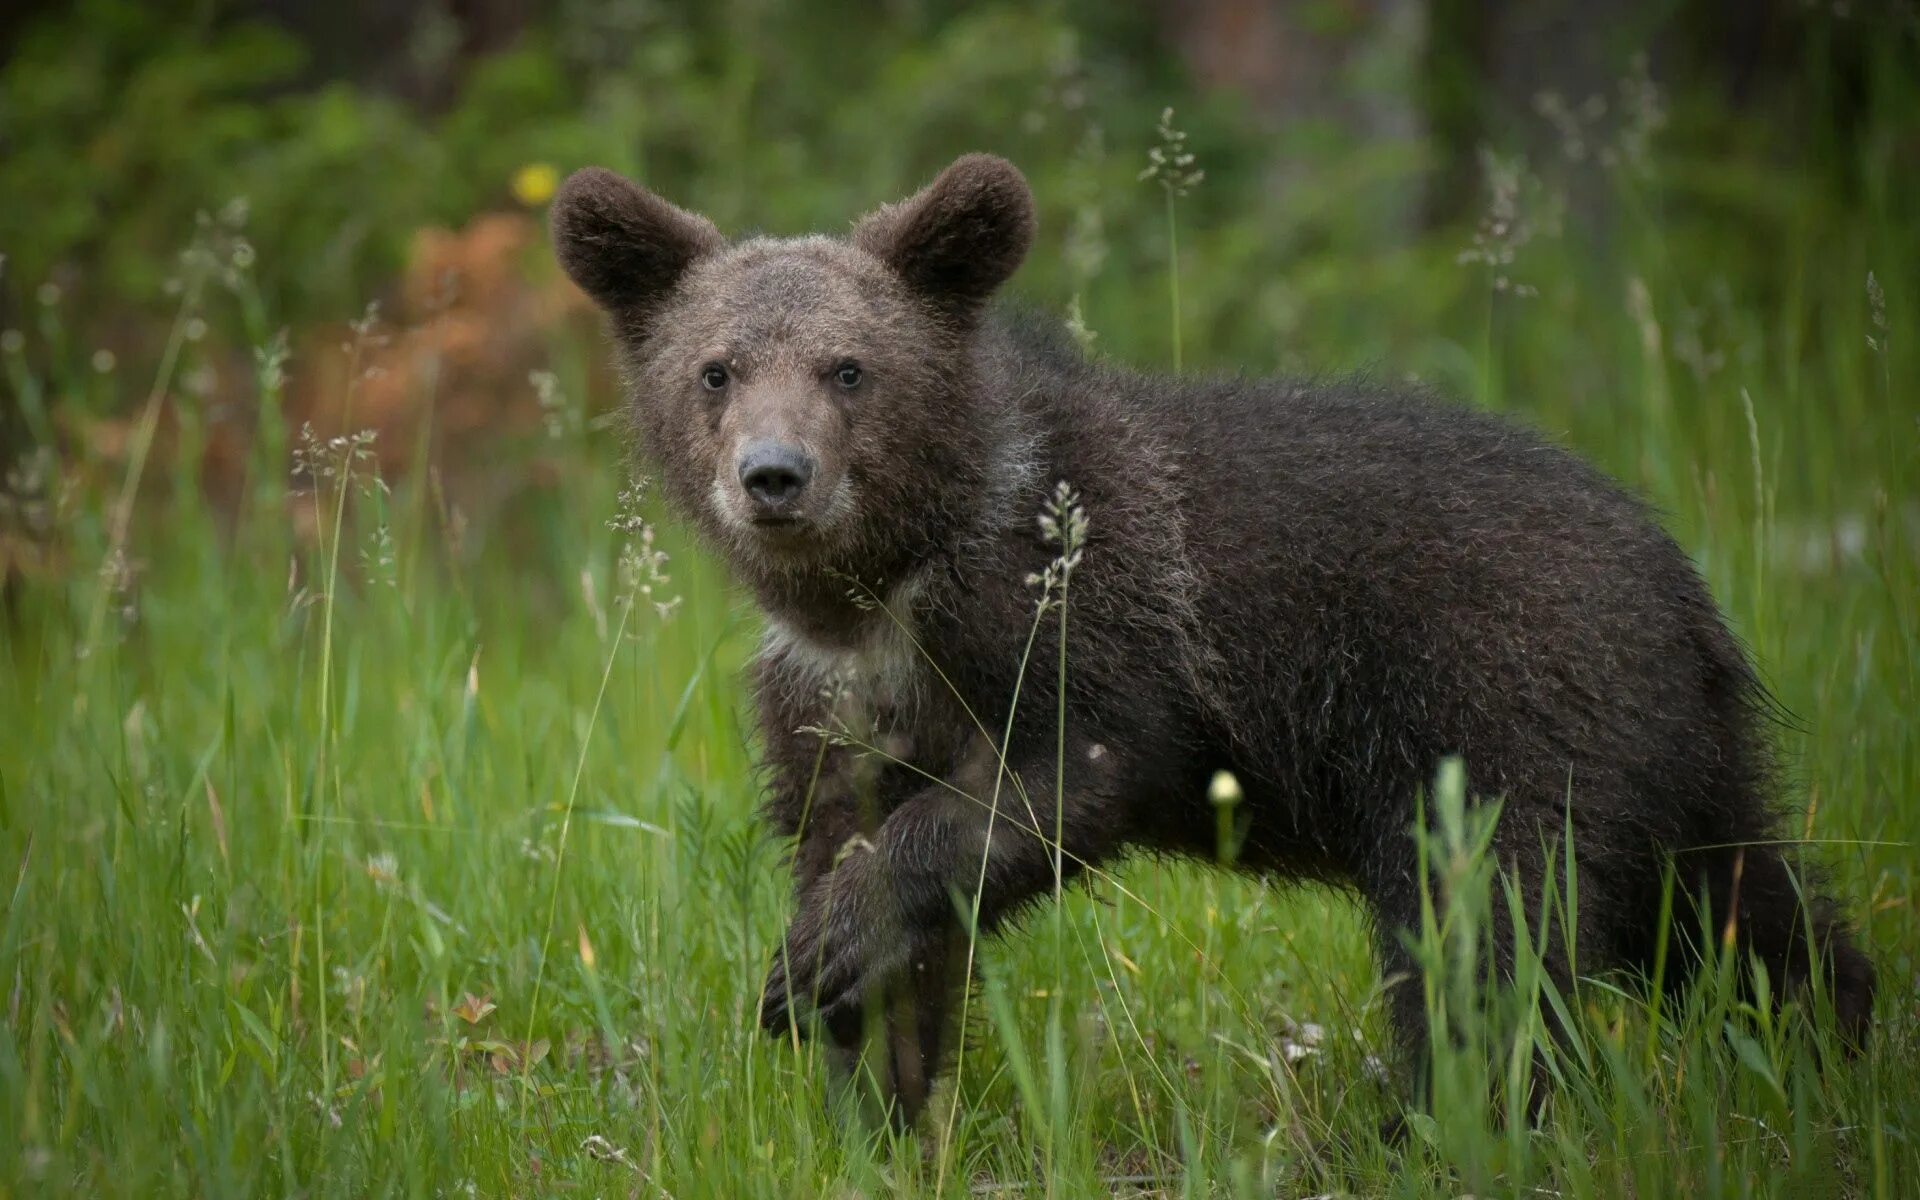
(874, 676)
(880, 669)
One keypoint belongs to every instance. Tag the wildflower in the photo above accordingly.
(601, 1150)
(1877, 307)
(1301, 1040)
(218, 250)
(120, 575)
(1642, 115)
(1639, 114)
(643, 574)
(1083, 335)
(1224, 789)
(1170, 163)
(335, 457)
(642, 565)
(557, 414)
(1507, 227)
(1570, 123)
(270, 362)
(31, 494)
(1063, 523)
(381, 560)
(535, 183)
(366, 331)
(383, 868)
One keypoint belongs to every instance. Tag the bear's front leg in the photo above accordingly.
(887, 927)
(881, 987)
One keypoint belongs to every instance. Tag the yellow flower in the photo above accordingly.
(535, 183)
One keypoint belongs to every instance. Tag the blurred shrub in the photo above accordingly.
(122, 119)
(119, 120)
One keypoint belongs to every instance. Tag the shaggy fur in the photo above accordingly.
(1324, 588)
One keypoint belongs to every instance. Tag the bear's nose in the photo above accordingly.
(774, 474)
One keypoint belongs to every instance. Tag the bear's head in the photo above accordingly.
(809, 403)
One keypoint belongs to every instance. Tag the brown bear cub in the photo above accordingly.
(1323, 588)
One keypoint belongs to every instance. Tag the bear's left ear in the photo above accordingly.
(958, 238)
(626, 247)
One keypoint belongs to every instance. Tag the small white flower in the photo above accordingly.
(383, 868)
(1225, 789)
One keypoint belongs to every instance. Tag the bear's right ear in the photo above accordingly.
(623, 245)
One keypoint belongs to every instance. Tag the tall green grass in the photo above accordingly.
(358, 855)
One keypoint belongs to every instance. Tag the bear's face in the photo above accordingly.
(799, 397)
(780, 386)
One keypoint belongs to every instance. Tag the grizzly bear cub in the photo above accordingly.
(1324, 588)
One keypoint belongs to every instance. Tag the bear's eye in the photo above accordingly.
(847, 375)
(714, 376)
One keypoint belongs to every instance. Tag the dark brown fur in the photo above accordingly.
(1324, 588)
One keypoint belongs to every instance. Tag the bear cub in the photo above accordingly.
(1324, 588)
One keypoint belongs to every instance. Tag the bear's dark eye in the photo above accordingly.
(847, 375)
(714, 376)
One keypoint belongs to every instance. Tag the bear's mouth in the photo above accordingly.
(782, 530)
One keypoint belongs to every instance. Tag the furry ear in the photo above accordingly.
(958, 238)
(623, 245)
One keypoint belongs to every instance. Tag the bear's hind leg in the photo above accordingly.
(1397, 916)
(1776, 915)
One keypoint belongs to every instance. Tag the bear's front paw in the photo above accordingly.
(848, 940)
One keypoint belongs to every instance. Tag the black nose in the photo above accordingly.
(774, 474)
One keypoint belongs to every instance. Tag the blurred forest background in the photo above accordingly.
(376, 809)
(1353, 151)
